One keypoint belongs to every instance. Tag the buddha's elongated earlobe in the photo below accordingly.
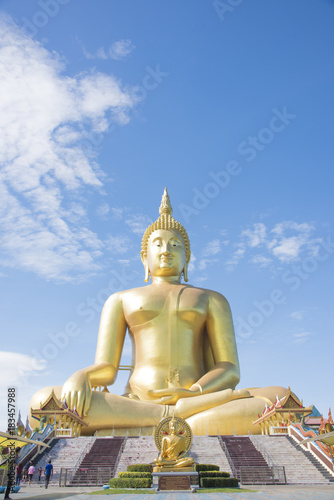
(147, 272)
(185, 272)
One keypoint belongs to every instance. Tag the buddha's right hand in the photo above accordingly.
(77, 392)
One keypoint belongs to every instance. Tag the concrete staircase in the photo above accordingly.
(251, 467)
(137, 450)
(207, 450)
(298, 468)
(98, 465)
(314, 461)
(142, 450)
(64, 454)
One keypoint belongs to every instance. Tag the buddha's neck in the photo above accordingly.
(160, 280)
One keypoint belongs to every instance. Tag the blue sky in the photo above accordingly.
(230, 105)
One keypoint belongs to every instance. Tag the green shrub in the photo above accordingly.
(135, 474)
(219, 482)
(139, 468)
(213, 473)
(127, 482)
(202, 467)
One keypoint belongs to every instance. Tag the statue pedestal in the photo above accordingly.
(163, 468)
(176, 481)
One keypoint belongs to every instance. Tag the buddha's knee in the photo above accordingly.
(270, 393)
(234, 417)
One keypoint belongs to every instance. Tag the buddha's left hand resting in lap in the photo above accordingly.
(185, 355)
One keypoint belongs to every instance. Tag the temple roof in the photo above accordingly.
(288, 403)
(53, 406)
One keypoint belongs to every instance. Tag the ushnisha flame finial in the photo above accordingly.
(165, 207)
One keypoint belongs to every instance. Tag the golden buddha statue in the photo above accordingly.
(173, 446)
(184, 351)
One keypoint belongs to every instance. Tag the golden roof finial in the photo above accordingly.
(165, 206)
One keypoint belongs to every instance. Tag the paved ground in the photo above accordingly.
(286, 492)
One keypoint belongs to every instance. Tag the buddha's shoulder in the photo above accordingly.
(212, 295)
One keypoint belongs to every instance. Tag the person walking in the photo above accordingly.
(25, 473)
(31, 472)
(48, 473)
(19, 470)
(39, 474)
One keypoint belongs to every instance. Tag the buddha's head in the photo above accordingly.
(173, 426)
(165, 245)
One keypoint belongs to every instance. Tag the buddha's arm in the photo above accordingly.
(225, 374)
(77, 390)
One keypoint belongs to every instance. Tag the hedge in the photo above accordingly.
(139, 468)
(219, 482)
(135, 474)
(128, 482)
(213, 473)
(203, 467)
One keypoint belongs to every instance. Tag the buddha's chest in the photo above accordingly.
(166, 305)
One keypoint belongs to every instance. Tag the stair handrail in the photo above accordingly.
(40, 437)
(263, 451)
(120, 454)
(228, 456)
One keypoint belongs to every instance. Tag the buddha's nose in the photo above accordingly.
(166, 249)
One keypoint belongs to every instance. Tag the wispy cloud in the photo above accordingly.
(204, 263)
(301, 337)
(103, 210)
(117, 50)
(14, 368)
(45, 116)
(212, 248)
(285, 243)
(298, 315)
(119, 244)
(138, 223)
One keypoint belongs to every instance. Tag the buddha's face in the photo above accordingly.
(173, 427)
(166, 255)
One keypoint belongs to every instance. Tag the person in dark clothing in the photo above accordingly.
(19, 470)
(48, 473)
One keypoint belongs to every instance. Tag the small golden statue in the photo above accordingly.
(173, 439)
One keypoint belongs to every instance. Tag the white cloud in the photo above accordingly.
(103, 210)
(301, 337)
(298, 315)
(120, 49)
(138, 223)
(117, 213)
(255, 236)
(261, 260)
(280, 228)
(45, 116)
(204, 263)
(16, 368)
(212, 248)
(287, 241)
(288, 249)
(239, 254)
(118, 244)
(191, 265)
(117, 50)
